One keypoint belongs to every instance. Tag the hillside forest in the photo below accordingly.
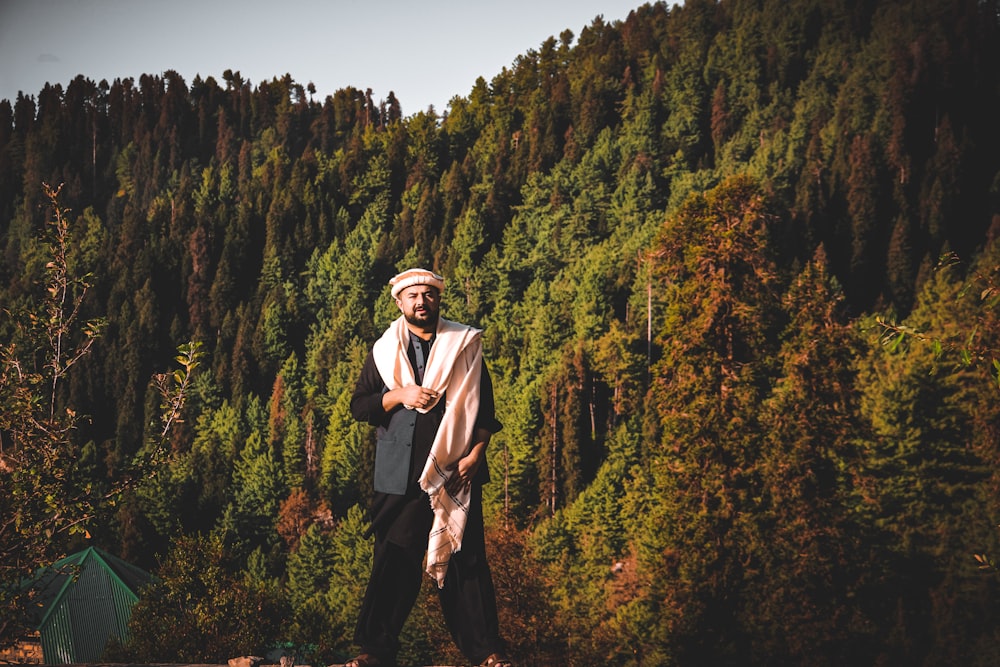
(736, 264)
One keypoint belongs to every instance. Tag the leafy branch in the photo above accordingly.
(985, 561)
(66, 294)
(173, 387)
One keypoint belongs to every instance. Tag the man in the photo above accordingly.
(425, 386)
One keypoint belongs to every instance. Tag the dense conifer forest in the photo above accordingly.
(736, 264)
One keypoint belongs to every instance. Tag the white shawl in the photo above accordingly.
(453, 370)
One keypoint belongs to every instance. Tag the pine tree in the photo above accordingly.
(811, 559)
(714, 263)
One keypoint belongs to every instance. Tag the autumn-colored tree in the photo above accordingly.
(807, 562)
(714, 263)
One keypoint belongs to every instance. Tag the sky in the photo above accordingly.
(424, 52)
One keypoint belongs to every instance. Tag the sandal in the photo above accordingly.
(367, 660)
(496, 660)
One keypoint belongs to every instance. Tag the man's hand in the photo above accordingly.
(412, 397)
(465, 469)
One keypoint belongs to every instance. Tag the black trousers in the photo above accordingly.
(468, 599)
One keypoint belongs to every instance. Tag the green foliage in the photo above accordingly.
(682, 235)
(201, 610)
(352, 554)
(256, 491)
(346, 453)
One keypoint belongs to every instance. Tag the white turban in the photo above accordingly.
(412, 277)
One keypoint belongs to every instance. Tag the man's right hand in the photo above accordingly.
(412, 397)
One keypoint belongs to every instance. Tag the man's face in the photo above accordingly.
(420, 305)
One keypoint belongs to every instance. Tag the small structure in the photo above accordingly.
(85, 599)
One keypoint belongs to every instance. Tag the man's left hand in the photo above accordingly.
(464, 470)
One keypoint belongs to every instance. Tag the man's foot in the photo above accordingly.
(496, 660)
(368, 660)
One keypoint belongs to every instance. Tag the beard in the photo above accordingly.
(426, 320)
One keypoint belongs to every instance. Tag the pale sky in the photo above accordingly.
(425, 52)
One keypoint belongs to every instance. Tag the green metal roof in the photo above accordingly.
(85, 599)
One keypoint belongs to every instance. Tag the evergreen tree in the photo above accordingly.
(714, 261)
(808, 562)
(257, 488)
